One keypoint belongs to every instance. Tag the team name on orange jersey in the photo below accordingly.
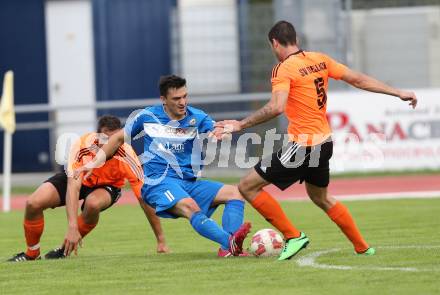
(312, 69)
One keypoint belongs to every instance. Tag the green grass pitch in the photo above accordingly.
(118, 257)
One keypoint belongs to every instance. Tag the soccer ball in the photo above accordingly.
(266, 242)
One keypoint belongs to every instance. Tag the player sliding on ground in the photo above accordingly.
(172, 159)
(100, 191)
(299, 89)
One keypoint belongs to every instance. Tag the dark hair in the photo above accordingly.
(171, 81)
(110, 122)
(284, 32)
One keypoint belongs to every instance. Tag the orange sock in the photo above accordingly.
(342, 217)
(83, 227)
(270, 209)
(33, 229)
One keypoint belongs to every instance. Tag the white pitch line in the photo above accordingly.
(390, 196)
(310, 261)
(379, 196)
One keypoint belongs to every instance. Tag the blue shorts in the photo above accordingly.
(169, 191)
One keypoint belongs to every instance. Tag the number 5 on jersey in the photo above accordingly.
(320, 91)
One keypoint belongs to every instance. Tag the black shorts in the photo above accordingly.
(294, 162)
(59, 180)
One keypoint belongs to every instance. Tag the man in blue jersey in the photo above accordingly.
(171, 161)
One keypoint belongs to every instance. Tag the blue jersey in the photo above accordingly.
(171, 148)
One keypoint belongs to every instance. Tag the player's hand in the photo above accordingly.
(409, 96)
(224, 129)
(86, 170)
(229, 126)
(219, 134)
(162, 247)
(71, 241)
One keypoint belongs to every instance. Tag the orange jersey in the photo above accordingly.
(123, 165)
(305, 76)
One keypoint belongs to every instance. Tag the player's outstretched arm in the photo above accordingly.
(104, 153)
(110, 148)
(155, 224)
(365, 82)
(272, 109)
(73, 237)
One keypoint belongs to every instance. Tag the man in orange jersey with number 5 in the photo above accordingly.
(299, 90)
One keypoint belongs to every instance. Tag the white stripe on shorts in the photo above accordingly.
(169, 195)
(287, 152)
(284, 161)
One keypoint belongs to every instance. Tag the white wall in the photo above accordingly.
(70, 58)
(398, 45)
(434, 46)
(209, 45)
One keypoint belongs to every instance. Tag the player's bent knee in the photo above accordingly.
(187, 207)
(191, 206)
(247, 190)
(319, 201)
(322, 200)
(233, 193)
(243, 186)
(93, 205)
(46, 196)
(34, 205)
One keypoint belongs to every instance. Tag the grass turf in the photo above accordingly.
(119, 255)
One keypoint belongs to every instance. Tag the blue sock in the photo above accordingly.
(232, 217)
(207, 228)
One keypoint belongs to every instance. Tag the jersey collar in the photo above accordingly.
(295, 53)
